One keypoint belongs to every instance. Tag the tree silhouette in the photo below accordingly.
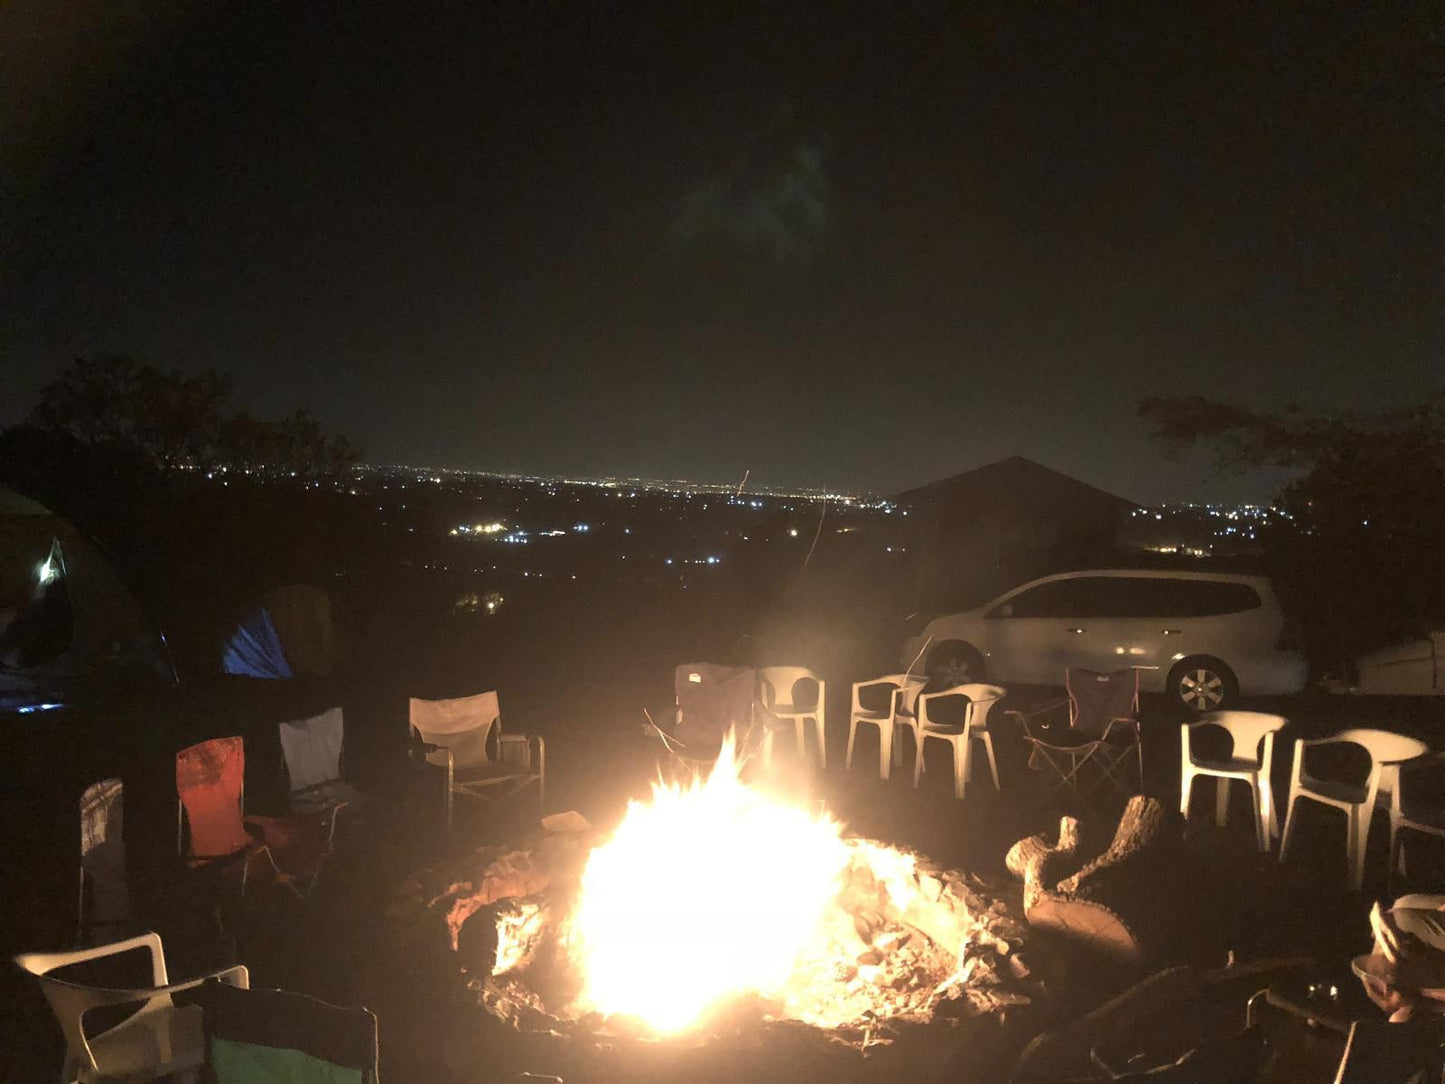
(175, 420)
(1361, 552)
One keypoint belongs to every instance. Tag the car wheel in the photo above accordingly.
(955, 664)
(1202, 684)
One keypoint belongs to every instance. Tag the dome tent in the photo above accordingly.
(289, 634)
(69, 626)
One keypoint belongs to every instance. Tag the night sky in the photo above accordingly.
(837, 246)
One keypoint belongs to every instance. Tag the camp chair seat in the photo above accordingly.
(1064, 740)
(486, 775)
(327, 797)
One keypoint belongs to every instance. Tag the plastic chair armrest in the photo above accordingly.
(859, 686)
(49, 961)
(237, 975)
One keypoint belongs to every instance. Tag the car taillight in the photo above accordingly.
(1289, 637)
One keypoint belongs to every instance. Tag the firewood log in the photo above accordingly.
(1040, 862)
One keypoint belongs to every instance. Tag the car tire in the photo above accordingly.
(954, 663)
(1202, 684)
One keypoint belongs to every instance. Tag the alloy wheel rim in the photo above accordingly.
(1201, 689)
(954, 671)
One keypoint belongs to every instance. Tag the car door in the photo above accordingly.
(1137, 615)
(1033, 635)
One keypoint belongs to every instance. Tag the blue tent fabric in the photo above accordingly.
(254, 650)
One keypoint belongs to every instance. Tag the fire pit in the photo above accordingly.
(716, 915)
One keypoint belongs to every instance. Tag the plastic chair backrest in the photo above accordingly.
(70, 1001)
(463, 725)
(277, 1034)
(210, 781)
(1246, 729)
(1096, 699)
(981, 699)
(102, 849)
(780, 683)
(1422, 787)
(312, 748)
(906, 697)
(1384, 746)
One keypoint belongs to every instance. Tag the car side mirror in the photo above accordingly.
(1006, 610)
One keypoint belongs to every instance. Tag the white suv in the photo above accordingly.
(1206, 637)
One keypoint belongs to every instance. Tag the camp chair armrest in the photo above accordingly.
(536, 749)
(1042, 709)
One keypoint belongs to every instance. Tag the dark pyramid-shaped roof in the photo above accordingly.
(1007, 478)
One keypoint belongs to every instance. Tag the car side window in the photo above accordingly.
(1129, 596)
(1080, 597)
(1158, 596)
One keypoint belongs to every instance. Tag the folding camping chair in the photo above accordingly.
(457, 735)
(1102, 733)
(311, 751)
(102, 858)
(211, 800)
(274, 1035)
(712, 702)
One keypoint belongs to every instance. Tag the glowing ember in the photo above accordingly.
(715, 890)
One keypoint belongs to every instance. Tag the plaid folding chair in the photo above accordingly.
(102, 859)
(1099, 747)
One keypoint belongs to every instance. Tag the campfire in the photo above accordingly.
(714, 904)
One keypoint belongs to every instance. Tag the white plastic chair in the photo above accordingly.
(1357, 801)
(778, 693)
(980, 700)
(158, 1039)
(102, 857)
(1247, 761)
(1424, 817)
(454, 734)
(902, 704)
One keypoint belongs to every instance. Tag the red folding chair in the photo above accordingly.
(211, 793)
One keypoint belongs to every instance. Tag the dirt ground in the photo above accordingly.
(579, 670)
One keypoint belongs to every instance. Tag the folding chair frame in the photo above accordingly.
(478, 788)
(1096, 750)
